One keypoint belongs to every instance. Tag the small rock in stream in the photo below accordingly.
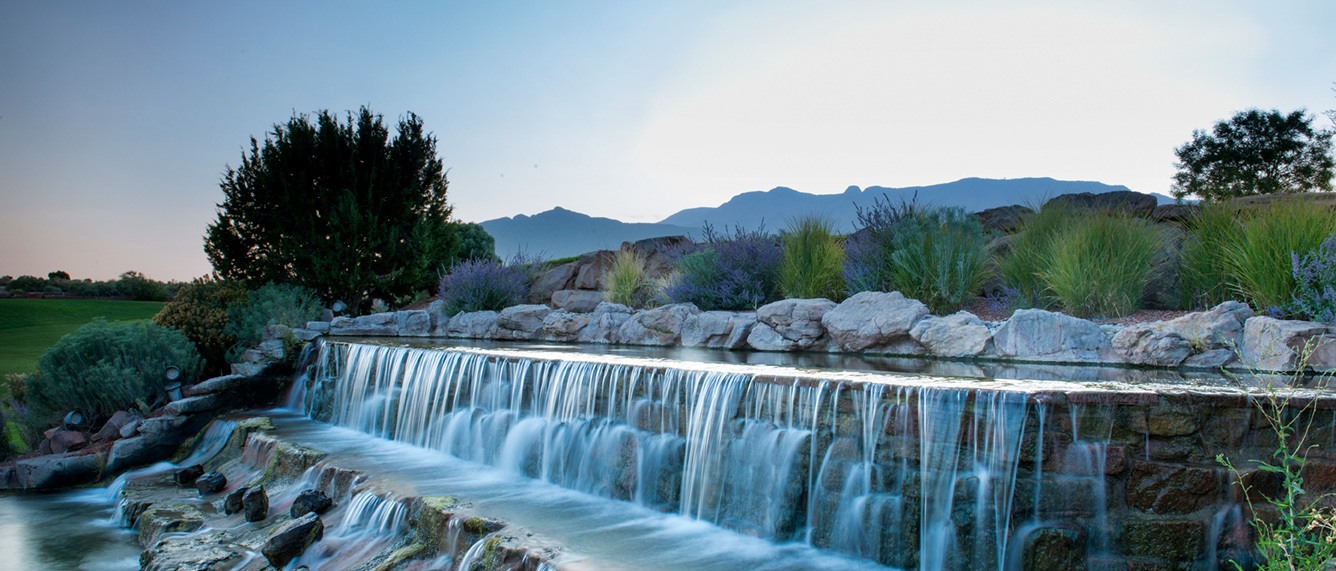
(310, 501)
(232, 503)
(187, 476)
(210, 482)
(255, 504)
(292, 538)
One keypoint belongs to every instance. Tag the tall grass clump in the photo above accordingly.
(1315, 283)
(483, 285)
(272, 304)
(1260, 260)
(812, 264)
(627, 281)
(936, 255)
(1028, 255)
(105, 367)
(1205, 277)
(737, 272)
(1101, 263)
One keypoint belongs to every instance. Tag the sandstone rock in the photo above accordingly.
(763, 337)
(474, 325)
(960, 334)
(173, 517)
(799, 321)
(111, 430)
(1039, 335)
(255, 504)
(413, 323)
(232, 503)
(661, 254)
(440, 322)
(563, 325)
(321, 327)
(581, 301)
(192, 405)
(210, 482)
(658, 326)
(1124, 202)
(551, 281)
(717, 329)
(605, 323)
(310, 501)
(56, 471)
(1151, 344)
(292, 538)
(248, 369)
(198, 552)
(225, 383)
(870, 319)
(1004, 219)
(130, 429)
(521, 322)
(67, 441)
(1170, 488)
(187, 476)
(1057, 548)
(373, 325)
(1212, 359)
(273, 349)
(1221, 327)
(590, 268)
(1177, 540)
(1277, 345)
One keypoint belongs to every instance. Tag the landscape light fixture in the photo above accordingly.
(75, 420)
(171, 376)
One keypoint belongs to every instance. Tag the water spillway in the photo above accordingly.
(905, 471)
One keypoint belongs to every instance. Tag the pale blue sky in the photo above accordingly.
(117, 119)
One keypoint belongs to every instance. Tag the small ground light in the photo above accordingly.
(173, 386)
(75, 420)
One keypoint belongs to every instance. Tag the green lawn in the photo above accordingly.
(29, 326)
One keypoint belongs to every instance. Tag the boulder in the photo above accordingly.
(373, 325)
(192, 405)
(272, 349)
(717, 329)
(414, 323)
(1122, 202)
(321, 327)
(225, 383)
(310, 501)
(111, 430)
(658, 326)
(563, 325)
(1221, 327)
(552, 280)
(440, 321)
(605, 322)
(521, 322)
(291, 539)
(232, 503)
(661, 254)
(589, 269)
(187, 476)
(473, 325)
(130, 429)
(869, 319)
(210, 482)
(1211, 359)
(1279, 345)
(56, 470)
(577, 300)
(799, 321)
(167, 517)
(961, 334)
(255, 504)
(1175, 213)
(1004, 219)
(1152, 344)
(67, 441)
(1039, 335)
(763, 337)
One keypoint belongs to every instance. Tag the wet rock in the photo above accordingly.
(1175, 540)
(576, 300)
(473, 325)
(562, 325)
(187, 476)
(292, 538)
(960, 334)
(255, 504)
(1277, 344)
(1039, 335)
(1054, 549)
(210, 482)
(1163, 488)
(1151, 344)
(717, 329)
(168, 517)
(605, 323)
(658, 326)
(56, 470)
(521, 322)
(63, 441)
(797, 321)
(1004, 219)
(197, 552)
(233, 502)
(870, 319)
(1122, 202)
(310, 501)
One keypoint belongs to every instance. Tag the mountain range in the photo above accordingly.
(560, 232)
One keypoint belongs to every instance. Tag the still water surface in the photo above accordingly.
(63, 530)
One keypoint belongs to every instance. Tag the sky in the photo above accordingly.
(117, 119)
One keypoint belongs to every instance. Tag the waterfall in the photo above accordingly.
(877, 467)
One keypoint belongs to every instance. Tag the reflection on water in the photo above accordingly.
(63, 530)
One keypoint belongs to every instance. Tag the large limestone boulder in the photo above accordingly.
(790, 325)
(521, 322)
(413, 322)
(658, 326)
(57, 470)
(1152, 344)
(1280, 344)
(561, 325)
(578, 300)
(604, 323)
(872, 319)
(961, 334)
(589, 270)
(661, 254)
(1039, 335)
(473, 325)
(718, 329)
(1219, 328)
(374, 325)
(552, 280)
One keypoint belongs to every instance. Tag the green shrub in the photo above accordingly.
(1205, 277)
(1028, 255)
(1102, 263)
(1260, 258)
(104, 367)
(200, 312)
(939, 257)
(272, 304)
(138, 287)
(627, 281)
(813, 261)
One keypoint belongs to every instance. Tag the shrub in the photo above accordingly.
(26, 284)
(200, 312)
(138, 287)
(1102, 263)
(1028, 255)
(1315, 283)
(104, 367)
(1205, 277)
(628, 282)
(813, 260)
(272, 304)
(1260, 260)
(481, 284)
(936, 255)
(738, 272)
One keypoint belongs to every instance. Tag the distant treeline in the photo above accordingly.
(130, 285)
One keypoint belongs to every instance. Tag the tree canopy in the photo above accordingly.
(343, 208)
(1255, 152)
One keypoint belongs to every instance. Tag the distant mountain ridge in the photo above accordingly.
(560, 232)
